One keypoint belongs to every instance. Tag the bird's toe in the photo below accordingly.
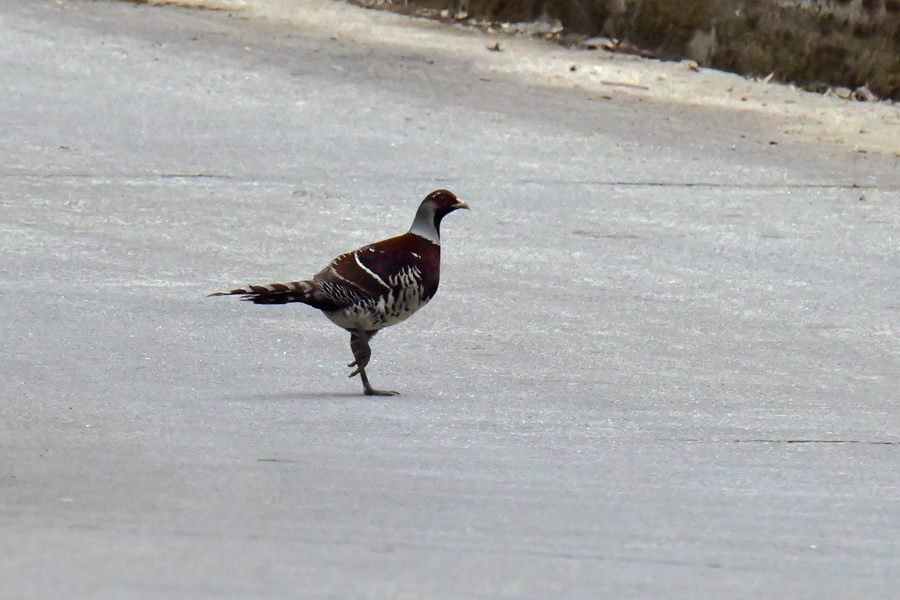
(372, 392)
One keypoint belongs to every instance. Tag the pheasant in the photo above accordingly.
(373, 287)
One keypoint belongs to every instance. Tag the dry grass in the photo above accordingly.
(814, 43)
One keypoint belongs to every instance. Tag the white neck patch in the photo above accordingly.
(423, 225)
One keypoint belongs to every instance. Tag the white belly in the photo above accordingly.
(388, 311)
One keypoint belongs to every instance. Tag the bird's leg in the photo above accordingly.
(359, 344)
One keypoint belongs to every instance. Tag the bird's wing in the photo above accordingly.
(373, 270)
(358, 275)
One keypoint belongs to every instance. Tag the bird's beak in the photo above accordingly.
(461, 204)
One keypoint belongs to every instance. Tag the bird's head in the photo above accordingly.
(436, 205)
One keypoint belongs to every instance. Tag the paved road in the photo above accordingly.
(663, 361)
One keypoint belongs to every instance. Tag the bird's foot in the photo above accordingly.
(370, 391)
(374, 392)
(360, 368)
(359, 364)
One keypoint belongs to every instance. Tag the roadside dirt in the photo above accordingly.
(784, 113)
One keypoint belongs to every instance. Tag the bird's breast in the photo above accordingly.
(387, 310)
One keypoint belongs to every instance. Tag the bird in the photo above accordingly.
(372, 287)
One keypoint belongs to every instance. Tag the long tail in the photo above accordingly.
(275, 293)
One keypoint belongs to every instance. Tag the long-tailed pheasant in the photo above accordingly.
(373, 287)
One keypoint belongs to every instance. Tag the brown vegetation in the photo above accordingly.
(814, 43)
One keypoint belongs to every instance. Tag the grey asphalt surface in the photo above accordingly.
(663, 362)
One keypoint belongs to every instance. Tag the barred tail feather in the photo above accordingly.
(274, 293)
